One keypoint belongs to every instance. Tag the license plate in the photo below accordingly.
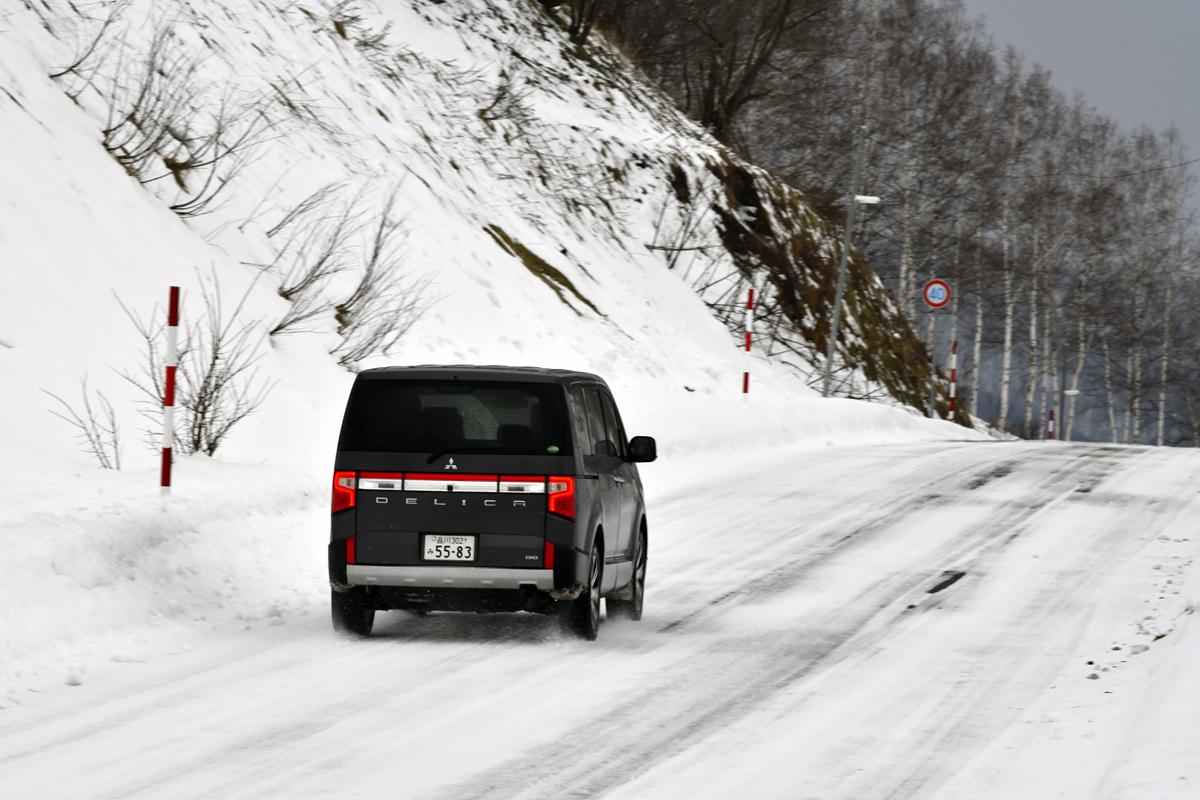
(443, 547)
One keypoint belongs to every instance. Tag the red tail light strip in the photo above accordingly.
(351, 554)
(343, 491)
(561, 498)
(345, 484)
(548, 556)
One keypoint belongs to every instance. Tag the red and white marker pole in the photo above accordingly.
(953, 376)
(749, 332)
(172, 357)
(1050, 428)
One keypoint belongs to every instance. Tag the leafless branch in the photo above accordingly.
(218, 380)
(97, 432)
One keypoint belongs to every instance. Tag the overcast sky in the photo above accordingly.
(1135, 60)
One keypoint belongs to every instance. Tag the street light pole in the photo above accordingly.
(836, 314)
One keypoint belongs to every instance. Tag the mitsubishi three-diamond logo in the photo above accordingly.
(450, 464)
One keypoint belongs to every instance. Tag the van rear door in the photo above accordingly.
(455, 472)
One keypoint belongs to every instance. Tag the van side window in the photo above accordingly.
(603, 443)
(579, 421)
(612, 422)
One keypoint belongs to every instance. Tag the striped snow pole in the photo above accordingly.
(749, 331)
(953, 376)
(172, 357)
(1050, 428)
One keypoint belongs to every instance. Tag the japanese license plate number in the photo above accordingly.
(446, 547)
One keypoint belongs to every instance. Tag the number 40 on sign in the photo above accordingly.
(936, 293)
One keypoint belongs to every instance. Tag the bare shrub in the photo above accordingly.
(384, 305)
(380, 261)
(387, 316)
(317, 237)
(145, 117)
(217, 155)
(302, 106)
(509, 100)
(330, 232)
(317, 249)
(218, 384)
(96, 430)
(345, 17)
(90, 54)
(158, 126)
(687, 236)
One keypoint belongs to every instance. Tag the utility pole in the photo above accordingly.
(836, 314)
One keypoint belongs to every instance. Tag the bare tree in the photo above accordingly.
(218, 380)
(96, 430)
(713, 56)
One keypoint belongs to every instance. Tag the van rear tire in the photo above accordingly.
(582, 616)
(351, 616)
(631, 607)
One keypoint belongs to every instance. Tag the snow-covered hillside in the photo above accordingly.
(520, 181)
(526, 182)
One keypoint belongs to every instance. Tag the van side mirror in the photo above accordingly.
(642, 448)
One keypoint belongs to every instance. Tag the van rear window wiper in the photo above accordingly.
(457, 450)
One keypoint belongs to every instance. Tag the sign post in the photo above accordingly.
(749, 332)
(171, 362)
(936, 294)
(835, 313)
(953, 378)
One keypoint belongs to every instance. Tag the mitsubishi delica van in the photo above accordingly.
(467, 488)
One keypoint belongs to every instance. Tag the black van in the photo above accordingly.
(486, 489)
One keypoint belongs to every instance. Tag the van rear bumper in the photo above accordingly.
(449, 577)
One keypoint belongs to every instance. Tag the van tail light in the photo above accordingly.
(351, 554)
(548, 556)
(561, 496)
(343, 491)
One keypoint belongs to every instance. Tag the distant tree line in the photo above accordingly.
(1070, 241)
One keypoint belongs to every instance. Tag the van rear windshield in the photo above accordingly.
(456, 416)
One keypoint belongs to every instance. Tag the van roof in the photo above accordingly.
(491, 372)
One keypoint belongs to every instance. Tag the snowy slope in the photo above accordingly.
(413, 116)
(496, 141)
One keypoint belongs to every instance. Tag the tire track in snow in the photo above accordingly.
(884, 513)
(957, 721)
(850, 775)
(834, 535)
(664, 720)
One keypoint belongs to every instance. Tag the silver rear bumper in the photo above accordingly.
(449, 577)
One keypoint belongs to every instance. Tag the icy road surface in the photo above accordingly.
(954, 620)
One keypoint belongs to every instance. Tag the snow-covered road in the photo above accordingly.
(957, 620)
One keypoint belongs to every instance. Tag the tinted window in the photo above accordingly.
(425, 417)
(602, 443)
(612, 423)
(579, 424)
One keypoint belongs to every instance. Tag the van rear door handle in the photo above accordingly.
(618, 479)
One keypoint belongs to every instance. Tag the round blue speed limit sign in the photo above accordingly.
(936, 293)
